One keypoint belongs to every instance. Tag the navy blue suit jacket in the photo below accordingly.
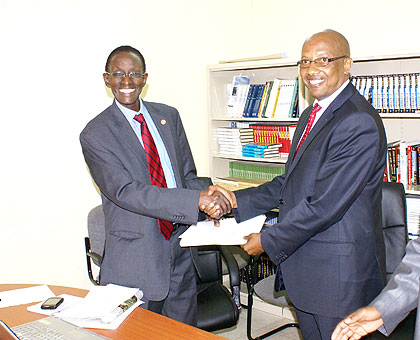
(328, 240)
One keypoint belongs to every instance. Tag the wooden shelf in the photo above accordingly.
(257, 120)
(252, 159)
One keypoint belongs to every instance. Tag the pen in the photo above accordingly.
(120, 309)
(127, 303)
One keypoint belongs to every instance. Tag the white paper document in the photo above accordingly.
(69, 300)
(228, 233)
(25, 295)
(103, 307)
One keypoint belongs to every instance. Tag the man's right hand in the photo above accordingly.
(227, 193)
(214, 204)
(358, 324)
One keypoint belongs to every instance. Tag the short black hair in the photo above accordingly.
(125, 48)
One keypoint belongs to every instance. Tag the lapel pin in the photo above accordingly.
(163, 121)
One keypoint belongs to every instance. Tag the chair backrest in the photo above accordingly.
(210, 264)
(394, 223)
(96, 230)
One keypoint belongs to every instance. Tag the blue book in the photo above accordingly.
(258, 97)
(255, 146)
(252, 155)
(248, 100)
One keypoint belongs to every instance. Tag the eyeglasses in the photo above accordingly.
(121, 75)
(320, 62)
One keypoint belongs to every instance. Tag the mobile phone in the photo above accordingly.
(52, 302)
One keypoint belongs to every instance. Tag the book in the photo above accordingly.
(250, 171)
(273, 99)
(261, 151)
(237, 97)
(285, 99)
(229, 141)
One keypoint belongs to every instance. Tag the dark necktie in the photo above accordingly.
(157, 176)
(311, 120)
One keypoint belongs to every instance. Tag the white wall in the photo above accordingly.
(52, 57)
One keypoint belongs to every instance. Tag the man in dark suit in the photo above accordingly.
(139, 157)
(328, 240)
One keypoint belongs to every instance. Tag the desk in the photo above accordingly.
(141, 324)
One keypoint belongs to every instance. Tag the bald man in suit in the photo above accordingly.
(328, 241)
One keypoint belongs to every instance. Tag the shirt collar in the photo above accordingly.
(129, 114)
(324, 103)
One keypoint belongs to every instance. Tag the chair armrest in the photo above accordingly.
(95, 257)
(233, 270)
(91, 256)
(254, 269)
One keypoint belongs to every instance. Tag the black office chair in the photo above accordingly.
(394, 222)
(264, 289)
(217, 307)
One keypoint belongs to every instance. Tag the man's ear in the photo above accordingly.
(106, 79)
(348, 62)
(144, 80)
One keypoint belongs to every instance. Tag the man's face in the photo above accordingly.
(323, 81)
(126, 90)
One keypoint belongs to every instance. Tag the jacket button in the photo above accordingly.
(281, 201)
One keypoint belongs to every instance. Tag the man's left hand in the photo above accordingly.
(253, 245)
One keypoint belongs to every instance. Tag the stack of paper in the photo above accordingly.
(103, 307)
(228, 233)
(24, 295)
(229, 141)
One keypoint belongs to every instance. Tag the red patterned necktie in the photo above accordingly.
(157, 176)
(311, 120)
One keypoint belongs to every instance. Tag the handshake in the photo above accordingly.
(216, 201)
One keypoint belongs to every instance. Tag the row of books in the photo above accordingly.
(274, 99)
(231, 140)
(262, 151)
(274, 134)
(256, 140)
(403, 161)
(391, 93)
(264, 268)
(254, 171)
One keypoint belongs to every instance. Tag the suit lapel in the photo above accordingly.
(299, 131)
(126, 133)
(320, 124)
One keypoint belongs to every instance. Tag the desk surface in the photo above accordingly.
(140, 324)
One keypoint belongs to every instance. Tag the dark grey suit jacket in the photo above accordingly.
(136, 254)
(401, 295)
(329, 238)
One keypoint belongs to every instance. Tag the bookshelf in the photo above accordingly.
(399, 126)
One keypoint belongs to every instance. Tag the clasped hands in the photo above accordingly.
(217, 201)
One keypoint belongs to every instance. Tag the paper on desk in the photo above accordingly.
(228, 233)
(69, 300)
(25, 295)
(99, 304)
